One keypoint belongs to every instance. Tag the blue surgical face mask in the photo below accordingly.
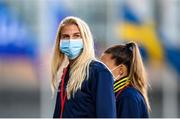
(71, 47)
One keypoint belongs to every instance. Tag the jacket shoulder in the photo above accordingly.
(98, 66)
(131, 93)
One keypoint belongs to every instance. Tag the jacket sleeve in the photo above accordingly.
(105, 98)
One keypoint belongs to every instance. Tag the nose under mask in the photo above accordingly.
(71, 47)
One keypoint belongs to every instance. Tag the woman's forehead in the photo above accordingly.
(106, 57)
(70, 28)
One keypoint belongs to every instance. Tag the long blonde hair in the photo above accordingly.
(130, 56)
(79, 70)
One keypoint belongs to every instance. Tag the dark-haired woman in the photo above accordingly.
(130, 86)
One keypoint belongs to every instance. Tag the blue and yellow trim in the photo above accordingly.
(120, 84)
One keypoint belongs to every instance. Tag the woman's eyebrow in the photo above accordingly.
(77, 33)
(64, 34)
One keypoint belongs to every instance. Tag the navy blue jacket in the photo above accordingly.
(95, 98)
(131, 104)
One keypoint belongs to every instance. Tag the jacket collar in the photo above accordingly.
(120, 84)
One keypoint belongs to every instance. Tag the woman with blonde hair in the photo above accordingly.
(130, 86)
(85, 86)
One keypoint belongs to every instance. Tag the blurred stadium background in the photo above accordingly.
(27, 34)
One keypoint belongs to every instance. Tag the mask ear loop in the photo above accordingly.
(115, 78)
(115, 68)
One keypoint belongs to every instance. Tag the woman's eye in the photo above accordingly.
(65, 37)
(77, 36)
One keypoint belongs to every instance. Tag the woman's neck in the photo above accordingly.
(72, 61)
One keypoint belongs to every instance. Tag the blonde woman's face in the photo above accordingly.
(70, 31)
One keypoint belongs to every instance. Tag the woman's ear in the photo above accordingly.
(123, 70)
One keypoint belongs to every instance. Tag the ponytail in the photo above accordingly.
(137, 74)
